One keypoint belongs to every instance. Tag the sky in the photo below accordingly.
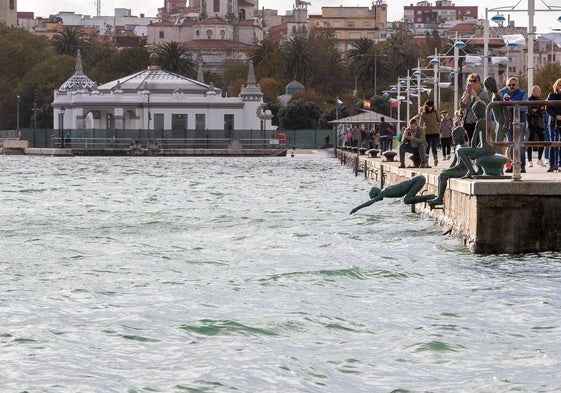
(544, 21)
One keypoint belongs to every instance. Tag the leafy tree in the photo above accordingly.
(300, 115)
(175, 58)
(20, 51)
(69, 40)
(329, 69)
(266, 58)
(545, 77)
(120, 64)
(214, 78)
(272, 88)
(299, 59)
(99, 49)
(43, 79)
(401, 54)
(235, 76)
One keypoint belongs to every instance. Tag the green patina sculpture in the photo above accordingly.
(500, 114)
(479, 145)
(457, 168)
(407, 188)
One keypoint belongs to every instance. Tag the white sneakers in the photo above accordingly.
(530, 164)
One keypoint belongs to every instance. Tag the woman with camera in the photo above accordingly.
(474, 93)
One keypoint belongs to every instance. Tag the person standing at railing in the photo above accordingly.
(473, 93)
(554, 113)
(535, 124)
(512, 92)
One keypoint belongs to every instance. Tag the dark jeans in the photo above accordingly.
(536, 134)
(385, 143)
(406, 148)
(446, 146)
(470, 130)
(432, 140)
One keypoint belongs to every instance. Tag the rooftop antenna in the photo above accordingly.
(98, 7)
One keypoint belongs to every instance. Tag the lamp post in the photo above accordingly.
(17, 113)
(61, 126)
(436, 63)
(531, 33)
(457, 46)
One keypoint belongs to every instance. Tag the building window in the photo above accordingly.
(209, 33)
(12, 5)
(216, 5)
(222, 33)
(228, 123)
(197, 33)
(159, 121)
(337, 12)
(351, 25)
(161, 34)
(178, 122)
(200, 122)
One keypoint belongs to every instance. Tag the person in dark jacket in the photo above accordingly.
(513, 92)
(535, 124)
(554, 113)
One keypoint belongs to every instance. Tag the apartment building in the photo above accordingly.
(352, 23)
(8, 12)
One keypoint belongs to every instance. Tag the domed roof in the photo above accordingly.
(157, 81)
(294, 87)
(79, 80)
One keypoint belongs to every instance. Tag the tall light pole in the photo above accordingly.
(61, 126)
(531, 10)
(17, 114)
(457, 46)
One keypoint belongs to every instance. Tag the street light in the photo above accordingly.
(61, 126)
(17, 115)
(457, 46)
(531, 33)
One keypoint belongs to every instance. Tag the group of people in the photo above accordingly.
(427, 129)
(380, 136)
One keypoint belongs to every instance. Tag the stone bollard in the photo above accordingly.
(389, 155)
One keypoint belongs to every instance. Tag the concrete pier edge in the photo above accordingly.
(490, 216)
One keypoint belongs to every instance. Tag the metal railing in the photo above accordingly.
(164, 143)
(517, 143)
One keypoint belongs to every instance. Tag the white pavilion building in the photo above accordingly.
(155, 99)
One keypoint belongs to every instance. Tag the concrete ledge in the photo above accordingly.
(159, 152)
(491, 216)
(15, 144)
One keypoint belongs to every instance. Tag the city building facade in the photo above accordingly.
(352, 23)
(9, 12)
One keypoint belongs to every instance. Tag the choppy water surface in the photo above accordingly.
(249, 275)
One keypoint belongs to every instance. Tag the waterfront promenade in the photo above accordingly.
(491, 215)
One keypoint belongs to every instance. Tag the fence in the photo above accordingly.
(98, 138)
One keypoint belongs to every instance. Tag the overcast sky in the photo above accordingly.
(544, 21)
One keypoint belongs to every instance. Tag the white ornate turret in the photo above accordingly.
(252, 91)
(79, 80)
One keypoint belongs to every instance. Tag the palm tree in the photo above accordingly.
(264, 50)
(175, 58)
(69, 40)
(298, 58)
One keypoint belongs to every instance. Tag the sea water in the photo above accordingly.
(144, 274)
